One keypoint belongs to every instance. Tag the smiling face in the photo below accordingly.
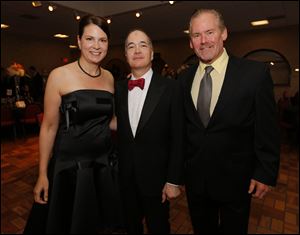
(138, 51)
(207, 37)
(93, 44)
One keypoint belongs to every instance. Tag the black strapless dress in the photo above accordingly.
(83, 188)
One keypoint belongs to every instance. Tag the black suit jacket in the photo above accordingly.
(154, 155)
(241, 140)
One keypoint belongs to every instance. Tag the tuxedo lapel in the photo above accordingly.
(154, 93)
(124, 105)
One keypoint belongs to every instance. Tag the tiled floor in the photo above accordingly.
(277, 213)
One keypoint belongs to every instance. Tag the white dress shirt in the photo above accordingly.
(136, 99)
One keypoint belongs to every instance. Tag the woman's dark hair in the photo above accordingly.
(92, 19)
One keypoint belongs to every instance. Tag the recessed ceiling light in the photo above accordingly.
(296, 70)
(72, 46)
(76, 15)
(51, 8)
(259, 22)
(36, 3)
(186, 31)
(59, 35)
(108, 21)
(138, 14)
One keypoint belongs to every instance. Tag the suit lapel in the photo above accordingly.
(191, 110)
(154, 93)
(230, 86)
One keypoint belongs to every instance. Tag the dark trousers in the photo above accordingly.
(210, 216)
(138, 207)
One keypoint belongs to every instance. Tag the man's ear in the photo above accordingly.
(78, 42)
(191, 45)
(224, 34)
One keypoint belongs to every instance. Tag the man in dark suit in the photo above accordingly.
(149, 134)
(232, 138)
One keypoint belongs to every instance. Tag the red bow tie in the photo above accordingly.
(138, 82)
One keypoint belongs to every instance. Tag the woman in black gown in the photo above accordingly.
(75, 191)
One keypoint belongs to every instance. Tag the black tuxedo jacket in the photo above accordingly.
(241, 140)
(154, 156)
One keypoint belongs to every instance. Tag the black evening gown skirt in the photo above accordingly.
(83, 183)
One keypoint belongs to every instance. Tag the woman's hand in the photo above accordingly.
(40, 191)
(170, 191)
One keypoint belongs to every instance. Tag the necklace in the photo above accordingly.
(93, 76)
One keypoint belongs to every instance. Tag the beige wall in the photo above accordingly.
(43, 54)
(283, 40)
(48, 54)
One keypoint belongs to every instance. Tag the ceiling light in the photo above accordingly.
(271, 63)
(72, 46)
(259, 22)
(171, 2)
(61, 35)
(36, 3)
(4, 26)
(138, 14)
(108, 21)
(296, 70)
(186, 31)
(51, 7)
(76, 15)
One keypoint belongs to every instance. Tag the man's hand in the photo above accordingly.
(169, 192)
(260, 189)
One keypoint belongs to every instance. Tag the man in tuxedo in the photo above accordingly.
(149, 135)
(232, 151)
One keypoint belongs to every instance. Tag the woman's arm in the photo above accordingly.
(113, 123)
(48, 131)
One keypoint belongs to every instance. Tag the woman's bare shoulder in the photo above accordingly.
(107, 74)
(109, 79)
(62, 73)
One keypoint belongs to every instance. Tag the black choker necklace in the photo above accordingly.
(93, 76)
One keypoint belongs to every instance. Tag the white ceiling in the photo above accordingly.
(160, 19)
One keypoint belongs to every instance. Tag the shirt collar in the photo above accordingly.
(146, 76)
(219, 64)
